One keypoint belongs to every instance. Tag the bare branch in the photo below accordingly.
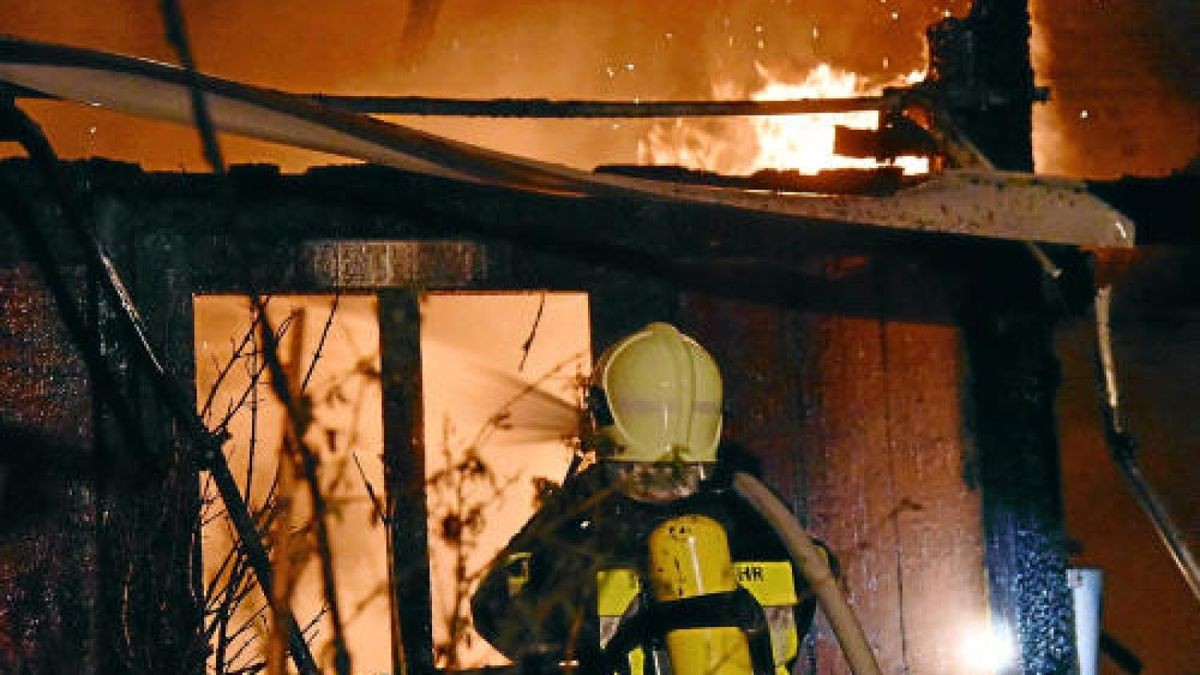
(337, 297)
(528, 344)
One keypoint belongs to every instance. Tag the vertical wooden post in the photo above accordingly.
(1014, 378)
(1014, 373)
(404, 475)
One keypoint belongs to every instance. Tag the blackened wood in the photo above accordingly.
(160, 278)
(47, 515)
(1164, 208)
(404, 475)
(758, 349)
(937, 514)
(984, 73)
(1007, 329)
(552, 109)
(1014, 378)
(850, 495)
(886, 464)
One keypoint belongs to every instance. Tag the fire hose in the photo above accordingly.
(811, 563)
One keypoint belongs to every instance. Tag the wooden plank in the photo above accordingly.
(754, 349)
(884, 460)
(937, 518)
(807, 400)
(850, 492)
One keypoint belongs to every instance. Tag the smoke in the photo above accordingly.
(1125, 86)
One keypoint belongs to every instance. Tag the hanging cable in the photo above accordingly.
(1123, 449)
(177, 35)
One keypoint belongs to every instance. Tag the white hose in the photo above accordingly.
(811, 562)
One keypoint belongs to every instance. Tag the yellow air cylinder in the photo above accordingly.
(689, 556)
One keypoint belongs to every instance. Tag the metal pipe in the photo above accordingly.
(1124, 452)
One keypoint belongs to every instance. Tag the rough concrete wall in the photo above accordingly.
(1125, 86)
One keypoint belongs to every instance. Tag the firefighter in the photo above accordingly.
(646, 562)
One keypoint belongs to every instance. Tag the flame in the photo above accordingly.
(741, 146)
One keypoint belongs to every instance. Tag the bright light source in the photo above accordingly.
(987, 650)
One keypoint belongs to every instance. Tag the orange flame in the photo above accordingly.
(741, 146)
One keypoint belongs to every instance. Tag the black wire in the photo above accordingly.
(177, 36)
(1120, 654)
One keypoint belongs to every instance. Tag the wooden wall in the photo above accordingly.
(47, 500)
(858, 419)
(849, 374)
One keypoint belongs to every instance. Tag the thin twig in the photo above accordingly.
(247, 339)
(312, 366)
(528, 344)
(252, 444)
(298, 421)
(218, 467)
(252, 387)
(375, 503)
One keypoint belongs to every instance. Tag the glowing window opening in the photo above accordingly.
(483, 389)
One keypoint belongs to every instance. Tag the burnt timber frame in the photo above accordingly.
(701, 268)
(1006, 327)
(1014, 371)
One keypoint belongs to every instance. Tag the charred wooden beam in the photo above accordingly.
(404, 473)
(568, 109)
(431, 106)
(1014, 373)
(1014, 377)
(879, 182)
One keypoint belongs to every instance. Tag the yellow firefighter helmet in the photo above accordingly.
(657, 397)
